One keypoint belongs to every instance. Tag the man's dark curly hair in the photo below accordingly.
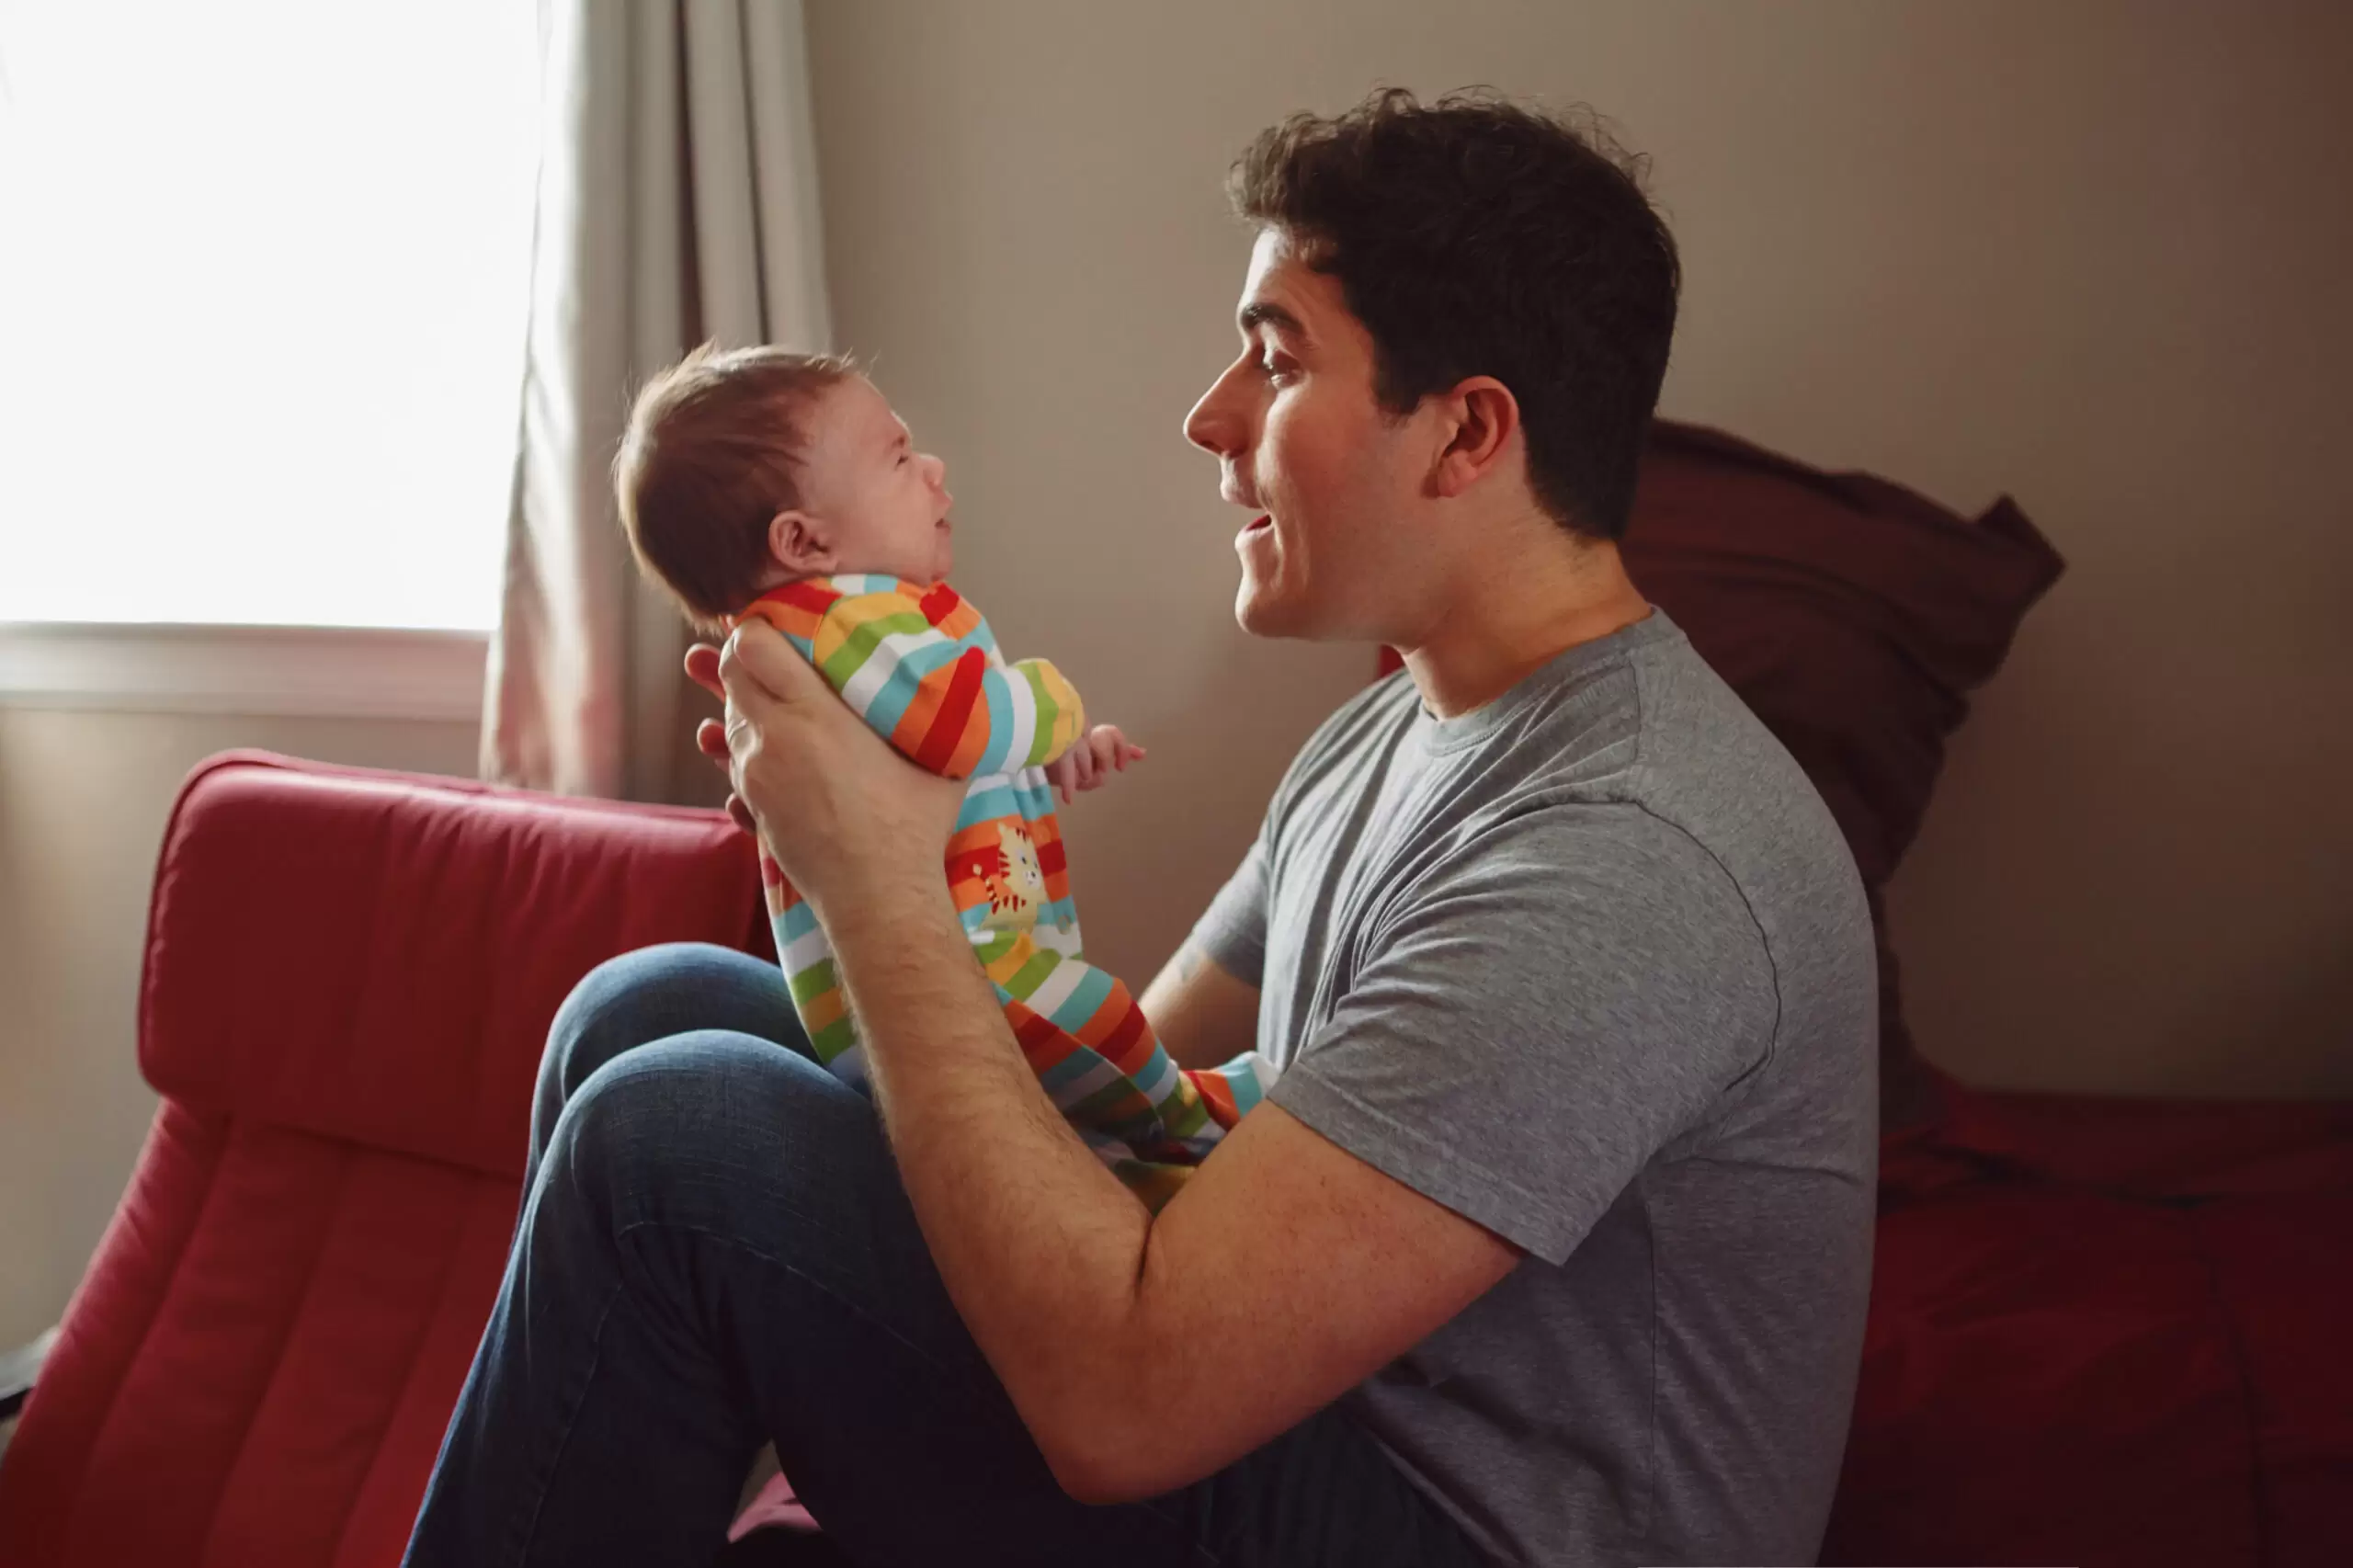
(1476, 237)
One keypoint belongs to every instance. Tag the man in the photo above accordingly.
(1552, 1243)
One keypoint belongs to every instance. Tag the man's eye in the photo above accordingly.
(1276, 369)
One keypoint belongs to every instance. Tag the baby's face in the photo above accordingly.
(882, 505)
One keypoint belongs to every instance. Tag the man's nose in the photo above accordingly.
(1215, 425)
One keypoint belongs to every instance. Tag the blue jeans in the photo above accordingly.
(715, 1251)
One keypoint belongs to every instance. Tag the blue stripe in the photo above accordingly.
(1082, 1003)
(794, 924)
(1072, 1068)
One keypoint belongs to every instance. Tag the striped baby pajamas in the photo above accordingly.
(920, 665)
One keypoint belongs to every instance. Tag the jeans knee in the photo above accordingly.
(649, 993)
(595, 1022)
(614, 1121)
(690, 1114)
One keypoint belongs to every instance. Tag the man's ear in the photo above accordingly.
(1480, 418)
(802, 544)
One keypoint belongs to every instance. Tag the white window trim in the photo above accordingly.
(306, 671)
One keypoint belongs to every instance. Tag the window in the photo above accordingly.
(263, 274)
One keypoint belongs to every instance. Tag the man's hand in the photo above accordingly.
(1090, 764)
(840, 810)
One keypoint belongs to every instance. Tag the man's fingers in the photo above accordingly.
(702, 668)
(710, 737)
(758, 663)
(742, 813)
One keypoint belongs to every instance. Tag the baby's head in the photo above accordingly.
(747, 468)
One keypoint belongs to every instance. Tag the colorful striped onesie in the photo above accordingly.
(920, 665)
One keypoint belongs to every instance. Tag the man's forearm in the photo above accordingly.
(1040, 1245)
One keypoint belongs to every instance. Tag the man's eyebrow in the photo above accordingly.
(1262, 312)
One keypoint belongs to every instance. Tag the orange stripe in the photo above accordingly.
(1107, 1017)
(919, 723)
(824, 1009)
(962, 621)
(979, 836)
(1218, 1096)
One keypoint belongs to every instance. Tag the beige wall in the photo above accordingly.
(2093, 255)
(2090, 253)
(83, 798)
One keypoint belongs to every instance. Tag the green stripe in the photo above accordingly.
(860, 644)
(1181, 1119)
(1030, 976)
(813, 983)
(1096, 1110)
(832, 1040)
(1042, 746)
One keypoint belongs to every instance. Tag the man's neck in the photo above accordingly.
(1498, 627)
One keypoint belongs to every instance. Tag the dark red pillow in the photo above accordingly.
(1853, 618)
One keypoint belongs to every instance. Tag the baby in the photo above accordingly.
(759, 483)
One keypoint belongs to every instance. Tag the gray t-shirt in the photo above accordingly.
(1591, 966)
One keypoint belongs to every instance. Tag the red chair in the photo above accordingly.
(349, 977)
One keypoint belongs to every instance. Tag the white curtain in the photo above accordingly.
(677, 201)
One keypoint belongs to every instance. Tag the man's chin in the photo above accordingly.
(1262, 614)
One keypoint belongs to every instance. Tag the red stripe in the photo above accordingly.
(807, 594)
(1123, 1039)
(1041, 1043)
(955, 711)
(1052, 859)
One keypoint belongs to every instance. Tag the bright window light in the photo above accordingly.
(263, 269)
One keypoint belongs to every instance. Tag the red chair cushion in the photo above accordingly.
(349, 979)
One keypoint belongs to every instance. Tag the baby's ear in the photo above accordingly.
(802, 544)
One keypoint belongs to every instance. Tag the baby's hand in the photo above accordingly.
(1090, 764)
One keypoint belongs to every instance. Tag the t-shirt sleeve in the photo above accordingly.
(1538, 1016)
(1232, 931)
